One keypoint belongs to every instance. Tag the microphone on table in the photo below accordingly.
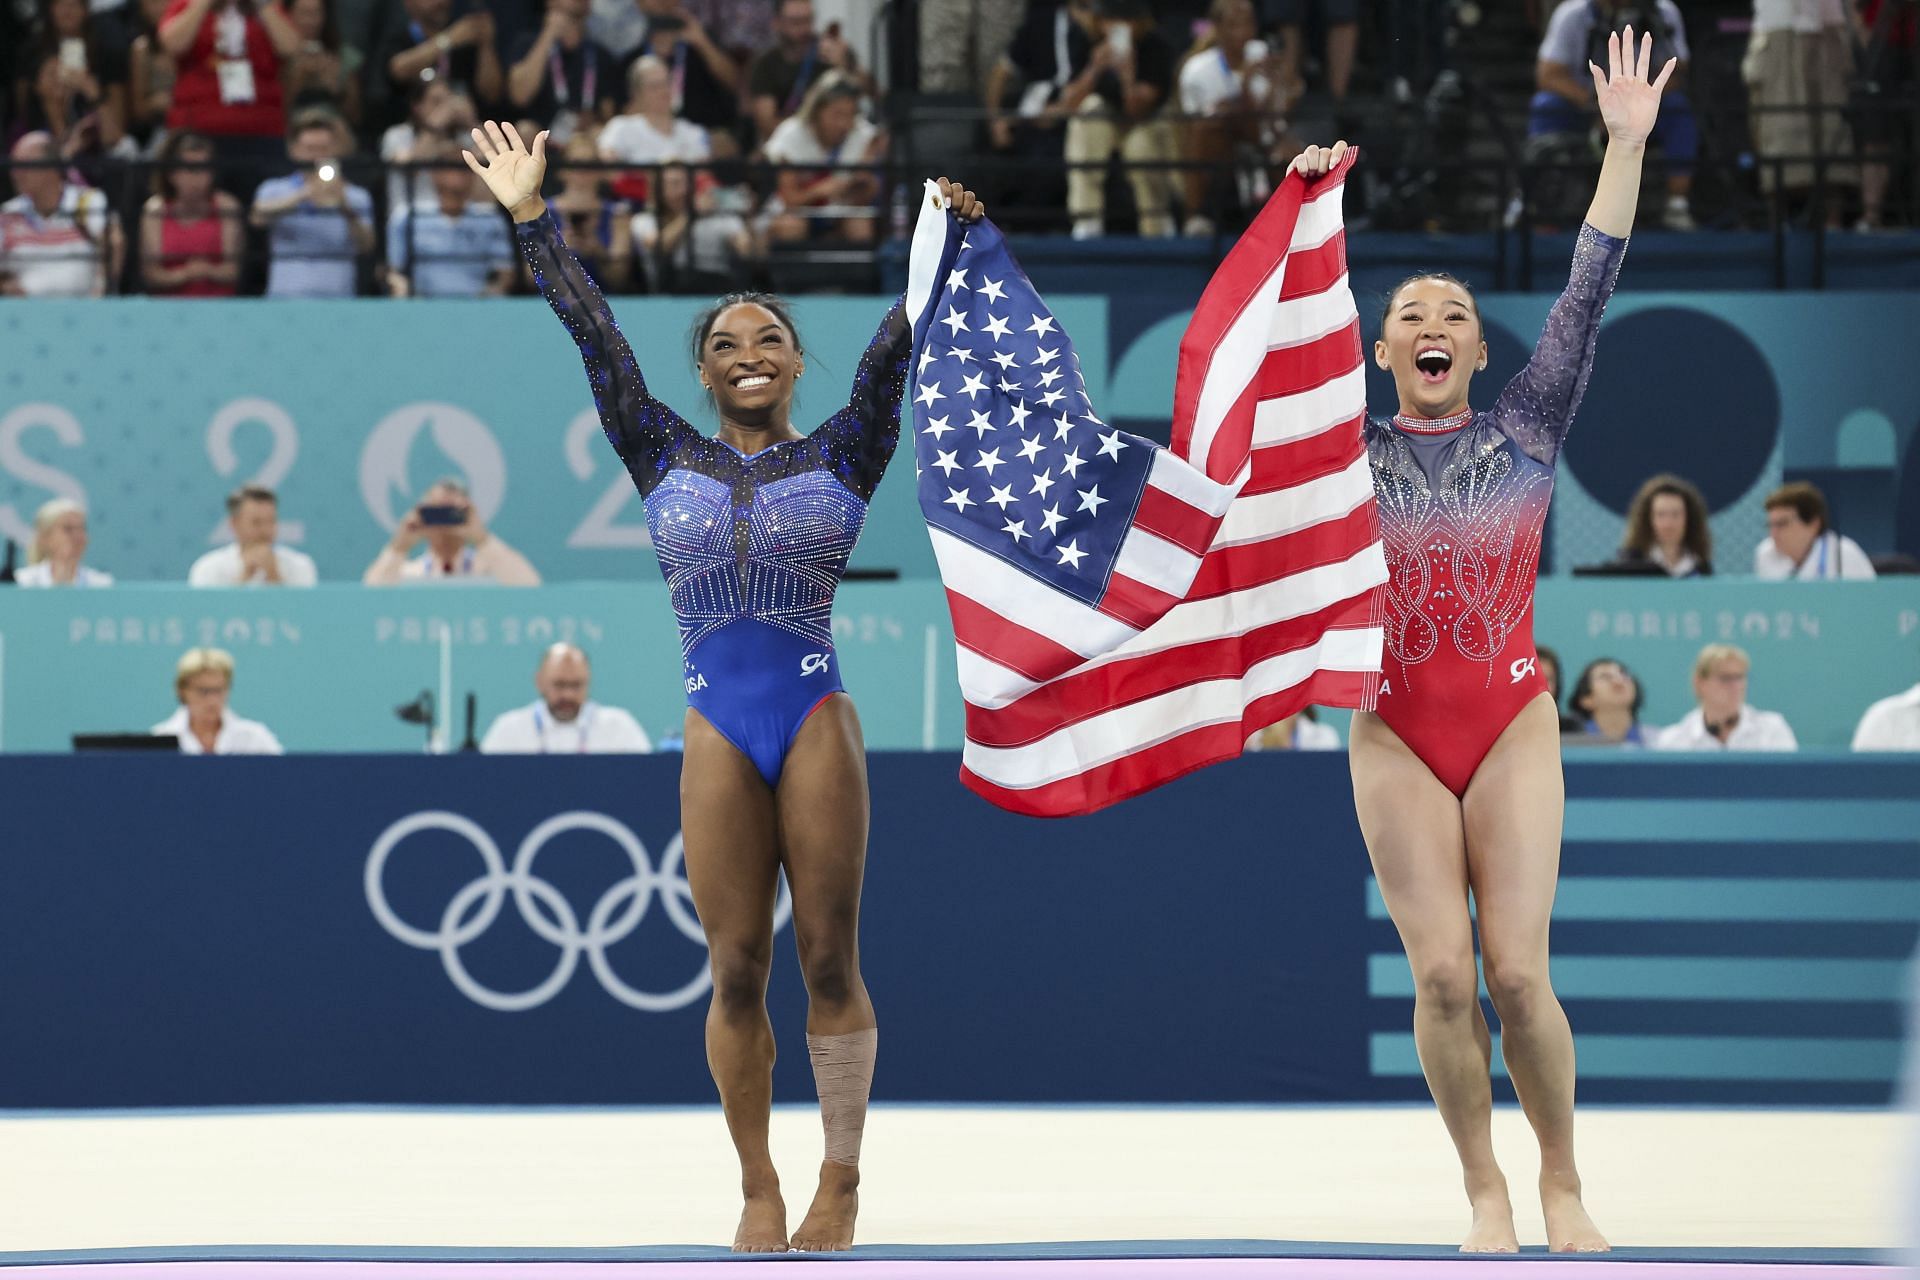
(472, 743)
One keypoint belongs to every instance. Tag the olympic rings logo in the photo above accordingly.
(618, 913)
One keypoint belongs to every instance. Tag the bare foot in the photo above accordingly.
(1569, 1229)
(828, 1226)
(763, 1224)
(1492, 1230)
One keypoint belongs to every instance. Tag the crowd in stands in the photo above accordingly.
(334, 126)
(443, 538)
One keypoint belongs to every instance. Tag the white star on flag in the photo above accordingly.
(947, 462)
(928, 394)
(1030, 447)
(973, 386)
(991, 289)
(1071, 554)
(962, 354)
(956, 279)
(1041, 326)
(1004, 359)
(1090, 499)
(1002, 496)
(959, 499)
(997, 326)
(988, 460)
(980, 423)
(937, 427)
(1111, 445)
(1018, 415)
(954, 320)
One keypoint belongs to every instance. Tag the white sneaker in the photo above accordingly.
(1086, 228)
(1677, 216)
(1197, 226)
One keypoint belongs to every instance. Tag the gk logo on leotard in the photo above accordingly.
(813, 664)
(1521, 669)
(546, 911)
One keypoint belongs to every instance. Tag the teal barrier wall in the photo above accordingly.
(325, 668)
(151, 411)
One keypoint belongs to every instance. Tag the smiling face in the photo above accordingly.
(749, 361)
(1432, 344)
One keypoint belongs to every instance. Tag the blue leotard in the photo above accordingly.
(753, 546)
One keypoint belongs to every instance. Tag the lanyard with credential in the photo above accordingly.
(540, 727)
(589, 76)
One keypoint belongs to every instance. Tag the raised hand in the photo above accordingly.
(1317, 162)
(512, 172)
(965, 205)
(1628, 102)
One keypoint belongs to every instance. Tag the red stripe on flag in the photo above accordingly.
(1235, 435)
(1314, 271)
(1282, 466)
(1107, 784)
(1254, 564)
(1008, 644)
(1181, 523)
(1291, 370)
(1088, 693)
(1135, 603)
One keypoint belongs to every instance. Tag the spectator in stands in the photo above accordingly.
(687, 247)
(455, 248)
(255, 557)
(1800, 543)
(1302, 732)
(817, 198)
(651, 133)
(1723, 721)
(75, 81)
(1667, 526)
(57, 557)
(1608, 699)
(1116, 101)
(559, 78)
(150, 75)
(961, 41)
(1891, 724)
(321, 223)
(56, 238)
(227, 85)
(1229, 95)
(598, 228)
(1883, 90)
(436, 113)
(618, 26)
(781, 78)
(1340, 19)
(322, 72)
(1799, 69)
(704, 79)
(1563, 103)
(202, 681)
(433, 47)
(563, 720)
(1549, 660)
(191, 235)
(459, 545)
(1024, 101)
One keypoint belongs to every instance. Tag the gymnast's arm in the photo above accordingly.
(861, 437)
(641, 429)
(1536, 410)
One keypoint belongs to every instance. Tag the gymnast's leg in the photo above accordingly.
(728, 824)
(1414, 835)
(822, 801)
(1513, 810)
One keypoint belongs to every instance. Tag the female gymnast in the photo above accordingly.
(753, 528)
(1456, 777)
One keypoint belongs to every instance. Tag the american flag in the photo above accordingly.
(1126, 613)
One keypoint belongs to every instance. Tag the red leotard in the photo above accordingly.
(1463, 503)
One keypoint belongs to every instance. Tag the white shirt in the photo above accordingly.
(1832, 555)
(41, 575)
(634, 140)
(220, 567)
(60, 255)
(532, 730)
(1206, 81)
(1755, 731)
(237, 736)
(1797, 15)
(793, 143)
(1891, 724)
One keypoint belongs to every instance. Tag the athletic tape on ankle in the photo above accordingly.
(843, 1076)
